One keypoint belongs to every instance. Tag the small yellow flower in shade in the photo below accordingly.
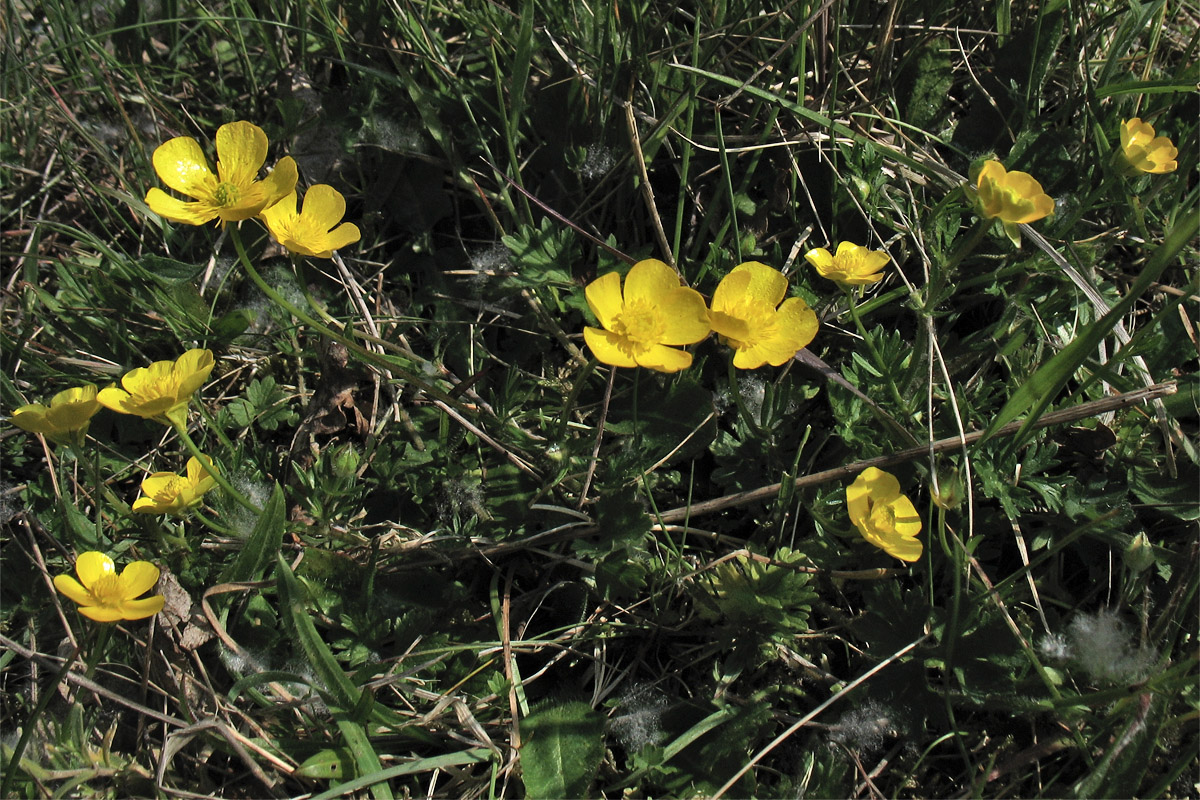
(66, 420)
(1014, 197)
(747, 314)
(853, 265)
(235, 192)
(106, 596)
(640, 324)
(168, 493)
(884, 517)
(1144, 151)
(315, 230)
(162, 390)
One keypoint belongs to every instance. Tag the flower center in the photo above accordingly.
(107, 590)
(641, 323)
(883, 518)
(172, 489)
(226, 194)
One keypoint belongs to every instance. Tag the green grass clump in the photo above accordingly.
(448, 552)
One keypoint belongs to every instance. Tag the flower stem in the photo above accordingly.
(396, 366)
(735, 390)
(217, 475)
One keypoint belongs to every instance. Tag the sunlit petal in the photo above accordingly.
(604, 299)
(665, 359)
(140, 609)
(92, 566)
(73, 590)
(685, 315)
(241, 152)
(609, 348)
(189, 213)
(137, 578)
(650, 280)
(181, 165)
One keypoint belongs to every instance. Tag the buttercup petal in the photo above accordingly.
(821, 259)
(241, 152)
(102, 613)
(181, 165)
(281, 215)
(33, 418)
(908, 522)
(137, 578)
(140, 609)
(194, 367)
(609, 348)
(664, 359)
(904, 549)
(92, 566)
(604, 299)
(73, 590)
(650, 281)
(280, 182)
(177, 210)
(342, 235)
(324, 205)
(766, 285)
(686, 316)
(797, 322)
(729, 293)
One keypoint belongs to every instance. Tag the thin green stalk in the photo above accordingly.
(217, 475)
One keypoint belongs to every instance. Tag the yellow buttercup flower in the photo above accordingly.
(235, 192)
(66, 420)
(746, 312)
(1014, 197)
(106, 596)
(853, 265)
(168, 493)
(884, 517)
(1144, 151)
(312, 232)
(162, 390)
(641, 324)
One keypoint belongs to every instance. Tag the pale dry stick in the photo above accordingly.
(635, 141)
(679, 446)
(587, 482)
(179, 739)
(810, 716)
(359, 299)
(1081, 411)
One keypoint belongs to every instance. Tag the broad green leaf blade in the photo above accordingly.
(263, 544)
(563, 745)
(344, 693)
(1040, 390)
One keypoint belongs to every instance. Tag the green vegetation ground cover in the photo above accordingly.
(471, 561)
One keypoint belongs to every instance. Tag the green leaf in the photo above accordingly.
(344, 693)
(328, 765)
(1036, 394)
(168, 270)
(263, 544)
(563, 745)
